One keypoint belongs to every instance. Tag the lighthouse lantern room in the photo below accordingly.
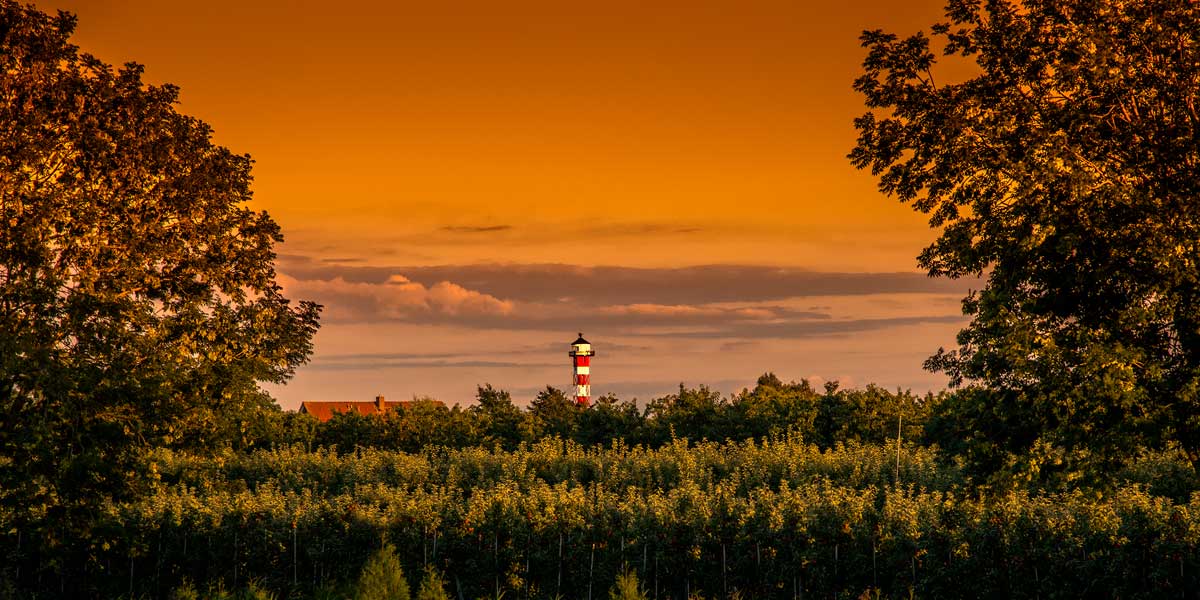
(581, 363)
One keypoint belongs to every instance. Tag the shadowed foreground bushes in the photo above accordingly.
(767, 519)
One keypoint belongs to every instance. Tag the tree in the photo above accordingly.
(425, 422)
(382, 578)
(552, 413)
(870, 415)
(774, 407)
(627, 587)
(1065, 172)
(138, 302)
(348, 430)
(693, 413)
(499, 419)
(610, 418)
(433, 586)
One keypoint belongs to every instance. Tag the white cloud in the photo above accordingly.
(396, 298)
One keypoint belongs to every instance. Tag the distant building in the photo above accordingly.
(324, 411)
(581, 370)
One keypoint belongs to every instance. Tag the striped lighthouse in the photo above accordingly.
(581, 364)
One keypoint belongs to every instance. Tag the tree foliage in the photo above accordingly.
(772, 408)
(627, 587)
(1064, 170)
(138, 302)
(553, 413)
(433, 586)
(775, 519)
(497, 416)
(382, 577)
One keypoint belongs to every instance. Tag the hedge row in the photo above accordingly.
(775, 520)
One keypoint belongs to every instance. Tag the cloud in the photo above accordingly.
(807, 328)
(476, 229)
(739, 346)
(623, 229)
(555, 347)
(368, 365)
(603, 286)
(431, 237)
(389, 356)
(730, 303)
(677, 310)
(396, 298)
(678, 314)
(344, 260)
(535, 350)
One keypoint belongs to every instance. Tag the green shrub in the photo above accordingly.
(330, 591)
(627, 587)
(185, 591)
(1165, 473)
(433, 586)
(382, 578)
(255, 591)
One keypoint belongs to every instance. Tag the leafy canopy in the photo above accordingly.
(433, 586)
(138, 302)
(382, 578)
(627, 587)
(1065, 172)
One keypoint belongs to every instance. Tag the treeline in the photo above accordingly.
(773, 519)
(832, 415)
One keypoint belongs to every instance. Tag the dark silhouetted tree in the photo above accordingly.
(427, 422)
(1066, 172)
(694, 413)
(499, 420)
(382, 578)
(433, 586)
(138, 299)
(773, 408)
(552, 413)
(609, 418)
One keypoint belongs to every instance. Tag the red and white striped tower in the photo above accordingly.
(581, 363)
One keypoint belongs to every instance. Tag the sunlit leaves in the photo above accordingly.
(757, 516)
(138, 303)
(1063, 169)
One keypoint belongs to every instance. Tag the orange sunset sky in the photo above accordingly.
(466, 185)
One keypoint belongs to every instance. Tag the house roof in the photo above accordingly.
(324, 411)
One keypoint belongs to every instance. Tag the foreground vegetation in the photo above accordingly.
(140, 311)
(773, 519)
(772, 407)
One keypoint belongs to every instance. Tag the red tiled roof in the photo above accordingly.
(324, 411)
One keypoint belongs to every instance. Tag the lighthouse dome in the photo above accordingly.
(580, 341)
